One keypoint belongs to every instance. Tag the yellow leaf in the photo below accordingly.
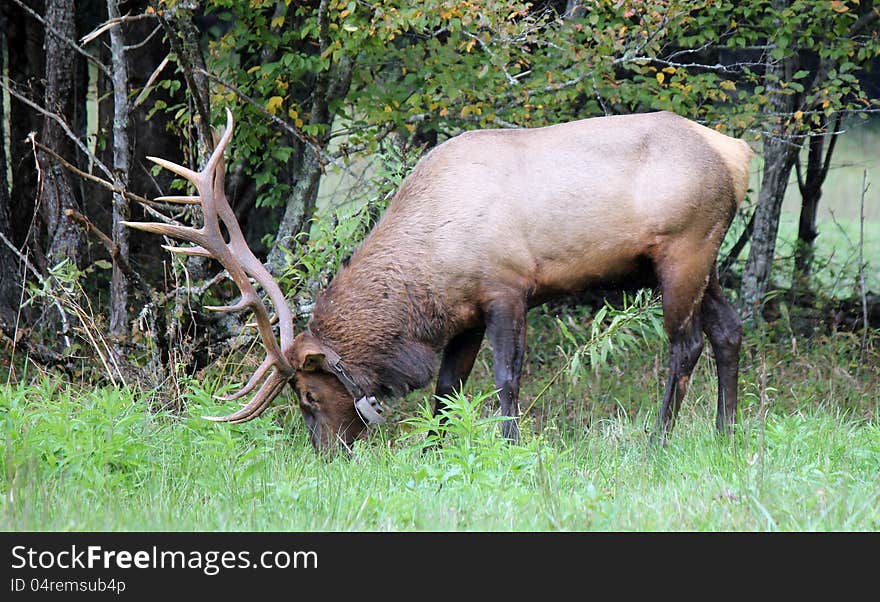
(277, 22)
(798, 115)
(274, 104)
(444, 112)
(669, 70)
(660, 77)
(727, 85)
(253, 69)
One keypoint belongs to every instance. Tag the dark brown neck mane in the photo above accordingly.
(384, 322)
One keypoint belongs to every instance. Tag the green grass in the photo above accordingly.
(805, 457)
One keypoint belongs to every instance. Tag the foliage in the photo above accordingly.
(465, 447)
(82, 327)
(639, 318)
(449, 65)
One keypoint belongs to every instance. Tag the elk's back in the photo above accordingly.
(553, 209)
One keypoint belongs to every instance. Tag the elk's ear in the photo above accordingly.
(313, 362)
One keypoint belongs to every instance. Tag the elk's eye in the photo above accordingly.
(311, 398)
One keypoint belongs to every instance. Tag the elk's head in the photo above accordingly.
(334, 409)
(332, 405)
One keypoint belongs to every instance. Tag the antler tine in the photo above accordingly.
(182, 200)
(261, 400)
(196, 251)
(183, 172)
(216, 159)
(277, 387)
(252, 383)
(184, 232)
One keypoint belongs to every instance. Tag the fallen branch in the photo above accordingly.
(111, 247)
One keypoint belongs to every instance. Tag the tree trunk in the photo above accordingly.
(818, 163)
(10, 287)
(121, 168)
(63, 236)
(298, 211)
(778, 161)
(330, 86)
(780, 152)
(25, 39)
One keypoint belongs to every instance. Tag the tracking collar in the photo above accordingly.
(368, 407)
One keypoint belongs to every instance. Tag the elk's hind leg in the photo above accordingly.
(724, 328)
(683, 277)
(506, 328)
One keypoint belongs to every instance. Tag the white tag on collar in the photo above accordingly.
(370, 410)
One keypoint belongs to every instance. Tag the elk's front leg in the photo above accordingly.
(506, 328)
(455, 367)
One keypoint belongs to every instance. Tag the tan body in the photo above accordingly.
(493, 222)
(551, 210)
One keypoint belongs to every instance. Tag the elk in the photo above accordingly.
(487, 225)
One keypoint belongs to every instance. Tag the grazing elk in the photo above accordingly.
(489, 224)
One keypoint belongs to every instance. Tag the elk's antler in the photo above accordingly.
(241, 263)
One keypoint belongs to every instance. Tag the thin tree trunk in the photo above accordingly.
(121, 168)
(331, 85)
(810, 185)
(778, 162)
(10, 287)
(64, 238)
(298, 211)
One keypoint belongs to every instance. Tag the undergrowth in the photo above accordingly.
(805, 454)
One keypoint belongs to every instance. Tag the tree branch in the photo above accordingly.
(145, 203)
(112, 248)
(826, 165)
